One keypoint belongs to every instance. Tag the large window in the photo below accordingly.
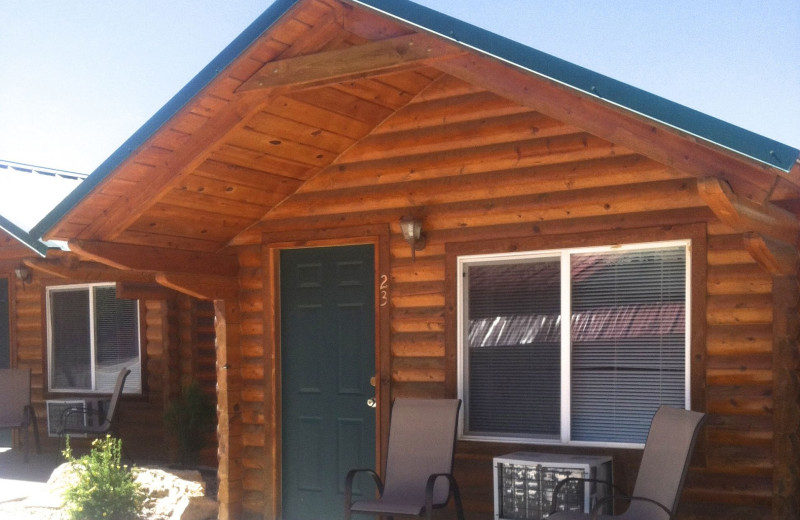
(575, 346)
(92, 335)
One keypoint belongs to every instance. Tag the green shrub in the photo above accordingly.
(103, 487)
(190, 418)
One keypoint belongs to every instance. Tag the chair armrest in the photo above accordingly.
(432, 482)
(563, 482)
(348, 483)
(78, 410)
(29, 415)
(628, 498)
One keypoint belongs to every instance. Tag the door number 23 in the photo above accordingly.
(384, 290)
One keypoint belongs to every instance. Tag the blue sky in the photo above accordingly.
(77, 78)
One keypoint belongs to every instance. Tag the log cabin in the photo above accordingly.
(277, 184)
(172, 338)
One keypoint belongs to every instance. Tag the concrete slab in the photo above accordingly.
(20, 479)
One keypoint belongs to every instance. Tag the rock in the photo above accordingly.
(175, 495)
(171, 494)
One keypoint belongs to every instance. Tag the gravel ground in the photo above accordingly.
(17, 510)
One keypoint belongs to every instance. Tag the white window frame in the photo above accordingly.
(564, 254)
(93, 344)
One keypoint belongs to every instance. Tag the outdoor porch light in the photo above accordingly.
(23, 274)
(412, 233)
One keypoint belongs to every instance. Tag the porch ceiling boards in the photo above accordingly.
(339, 100)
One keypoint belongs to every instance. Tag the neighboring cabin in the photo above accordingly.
(274, 185)
(167, 339)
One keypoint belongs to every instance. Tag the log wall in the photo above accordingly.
(196, 358)
(731, 476)
(166, 326)
(552, 181)
(257, 481)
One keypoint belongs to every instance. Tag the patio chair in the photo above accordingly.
(94, 421)
(16, 411)
(665, 460)
(419, 463)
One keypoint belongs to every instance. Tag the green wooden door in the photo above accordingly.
(327, 360)
(5, 347)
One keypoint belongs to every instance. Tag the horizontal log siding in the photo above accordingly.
(197, 358)
(27, 344)
(251, 302)
(545, 179)
(737, 449)
(141, 417)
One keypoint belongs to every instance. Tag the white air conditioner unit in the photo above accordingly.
(55, 409)
(524, 484)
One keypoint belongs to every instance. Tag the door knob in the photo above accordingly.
(372, 403)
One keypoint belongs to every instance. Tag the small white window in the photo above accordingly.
(92, 335)
(524, 375)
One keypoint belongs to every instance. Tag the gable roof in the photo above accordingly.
(591, 83)
(30, 192)
(33, 174)
(23, 236)
(750, 153)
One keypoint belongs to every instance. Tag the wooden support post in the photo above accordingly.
(229, 420)
(786, 399)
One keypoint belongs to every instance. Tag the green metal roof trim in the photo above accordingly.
(23, 236)
(178, 101)
(654, 107)
(631, 98)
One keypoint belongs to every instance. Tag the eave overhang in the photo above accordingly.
(687, 124)
(25, 238)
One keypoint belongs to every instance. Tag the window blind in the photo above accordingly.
(626, 312)
(628, 341)
(117, 339)
(93, 336)
(513, 348)
(70, 340)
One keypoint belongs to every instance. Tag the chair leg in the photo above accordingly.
(457, 500)
(25, 442)
(35, 430)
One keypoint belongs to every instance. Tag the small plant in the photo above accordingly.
(190, 418)
(103, 487)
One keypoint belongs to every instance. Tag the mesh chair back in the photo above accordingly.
(665, 461)
(15, 389)
(112, 406)
(421, 442)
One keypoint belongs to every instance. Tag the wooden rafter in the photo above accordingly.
(133, 257)
(777, 258)
(204, 141)
(204, 287)
(143, 291)
(356, 62)
(175, 168)
(745, 215)
(85, 271)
